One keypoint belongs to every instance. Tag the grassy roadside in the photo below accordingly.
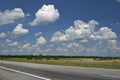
(78, 62)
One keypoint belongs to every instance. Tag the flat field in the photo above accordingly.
(78, 62)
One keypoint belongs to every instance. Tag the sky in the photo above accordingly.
(60, 27)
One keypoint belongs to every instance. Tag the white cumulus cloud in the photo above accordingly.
(84, 31)
(19, 30)
(59, 36)
(118, 0)
(14, 44)
(112, 43)
(26, 46)
(104, 33)
(2, 35)
(38, 34)
(8, 41)
(46, 14)
(9, 16)
(41, 40)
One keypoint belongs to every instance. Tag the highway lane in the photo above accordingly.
(54, 72)
(9, 75)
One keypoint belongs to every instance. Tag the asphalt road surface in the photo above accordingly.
(30, 71)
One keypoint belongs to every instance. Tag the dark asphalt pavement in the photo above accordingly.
(54, 72)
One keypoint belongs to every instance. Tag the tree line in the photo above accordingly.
(48, 57)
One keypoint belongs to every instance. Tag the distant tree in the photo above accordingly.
(1, 58)
(38, 57)
(29, 57)
(47, 57)
(55, 58)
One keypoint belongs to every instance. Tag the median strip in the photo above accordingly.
(28, 74)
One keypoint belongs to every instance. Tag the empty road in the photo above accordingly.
(30, 71)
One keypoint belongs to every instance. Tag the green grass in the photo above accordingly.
(69, 62)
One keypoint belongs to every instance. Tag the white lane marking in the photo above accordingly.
(110, 76)
(28, 74)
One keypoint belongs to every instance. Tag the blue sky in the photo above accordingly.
(52, 27)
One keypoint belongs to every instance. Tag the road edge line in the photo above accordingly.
(110, 76)
(28, 74)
